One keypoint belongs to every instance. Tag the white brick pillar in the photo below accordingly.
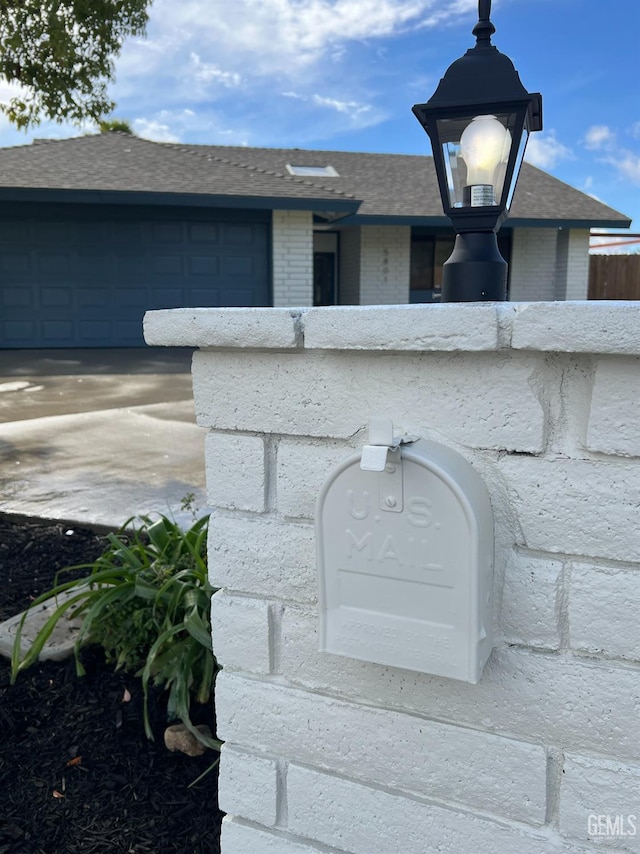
(327, 753)
(292, 254)
(385, 265)
(576, 283)
(533, 264)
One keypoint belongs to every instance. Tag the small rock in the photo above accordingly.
(178, 737)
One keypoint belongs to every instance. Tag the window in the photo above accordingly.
(312, 171)
(428, 254)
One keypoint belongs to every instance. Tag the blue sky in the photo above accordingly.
(343, 74)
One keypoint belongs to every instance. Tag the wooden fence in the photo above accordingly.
(614, 277)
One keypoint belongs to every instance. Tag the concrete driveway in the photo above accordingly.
(97, 436)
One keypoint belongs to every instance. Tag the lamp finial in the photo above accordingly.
(484, 29)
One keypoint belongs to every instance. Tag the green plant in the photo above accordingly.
(146, 601)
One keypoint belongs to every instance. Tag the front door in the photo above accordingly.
(324, 278)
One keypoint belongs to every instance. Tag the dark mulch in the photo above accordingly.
(77, 773)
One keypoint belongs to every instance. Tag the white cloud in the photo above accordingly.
(207, 72)
(350, 108)
(448, 11)
(626, 162)
(189, 125)
(154, 130)
(236, 57)
(359, 115)
(598, 137)
(628, 165)
(546, 151)
(272, 37)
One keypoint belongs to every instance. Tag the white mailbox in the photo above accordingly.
(405, 558)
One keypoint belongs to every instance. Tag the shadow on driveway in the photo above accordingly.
(97, 436)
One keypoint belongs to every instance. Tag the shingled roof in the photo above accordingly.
(367, 187)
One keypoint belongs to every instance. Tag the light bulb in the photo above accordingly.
(485, 144)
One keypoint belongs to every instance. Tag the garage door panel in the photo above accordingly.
(168, 265)
(58, 333)
(89, 233)
(46, 232)
(205, 298)
(203, 232)
(89, 283)
(51, 297)
(88, 265)
(203, 265)
(95, 333)
(166, 232)
(91, 298)
(133, 266)
(127, 331)
(238, 265)
(18, 332)
(239, 234)
(126, 234)
(18, 266)
(167, 298)
(54, 265)
(131, 297)
(15, 297)
(237, 297)
(13, 231)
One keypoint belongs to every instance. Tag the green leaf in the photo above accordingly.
(146, 600)
(61, 52)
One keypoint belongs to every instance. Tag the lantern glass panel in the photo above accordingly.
(519, 159)
(476, 151)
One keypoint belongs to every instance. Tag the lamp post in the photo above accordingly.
(478, 121)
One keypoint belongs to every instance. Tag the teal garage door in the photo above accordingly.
(82, 276)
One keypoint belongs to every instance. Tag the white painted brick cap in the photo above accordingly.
(597, 326)
(569, 327)
(222, 327)
(402, 327)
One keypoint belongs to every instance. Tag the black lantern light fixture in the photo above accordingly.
(478, 121)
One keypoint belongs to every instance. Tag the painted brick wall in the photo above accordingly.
(549, 264)
(577, 280)
(533, 264)
(292, 254)
(329, 754)
(385, 264)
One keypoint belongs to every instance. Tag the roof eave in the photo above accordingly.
(511, 222)
(527, 222)
(123, 197)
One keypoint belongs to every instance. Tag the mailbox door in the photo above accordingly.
(398, 555)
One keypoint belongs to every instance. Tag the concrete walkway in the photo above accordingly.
(97, 436)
